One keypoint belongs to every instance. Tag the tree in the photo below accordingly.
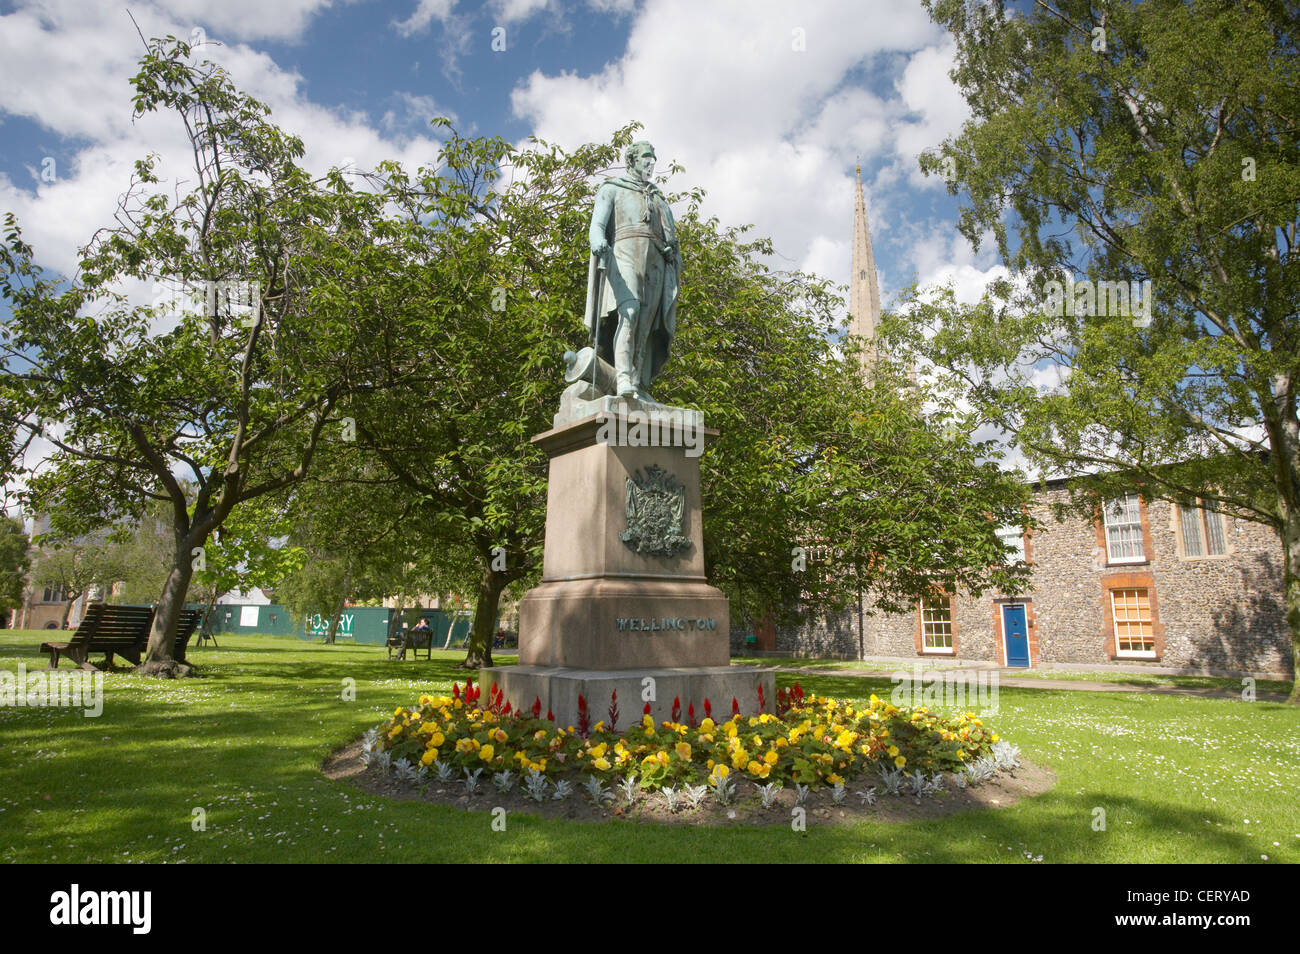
(73, 567)
(1163, 134)
(493, 291)
(234, 388)
(15, 560)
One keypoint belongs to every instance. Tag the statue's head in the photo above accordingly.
(640, 159)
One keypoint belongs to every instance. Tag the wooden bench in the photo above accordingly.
(112, 630)
(413, 640)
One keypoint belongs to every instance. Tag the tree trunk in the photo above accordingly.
(158, 657)
(451, 628)
(1291, 562)
(395, 622)
(338, 610)
(67, 611)
(485, 620)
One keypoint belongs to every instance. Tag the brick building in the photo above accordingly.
(1146, 584)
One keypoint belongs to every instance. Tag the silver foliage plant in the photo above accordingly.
(695, 794)
(767, 793)
(629, 788)
(597, 792)
(839, 793)
(471, 781)
(446, 771)
(563, 789)
(1006, 756)
(724, 789)
(672, 797)
(891, 779)
(868, 795)
(535, 785)
(504, 781)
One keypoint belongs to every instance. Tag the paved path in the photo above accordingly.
(1020, 682)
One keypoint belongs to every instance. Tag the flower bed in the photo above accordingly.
(809, 740)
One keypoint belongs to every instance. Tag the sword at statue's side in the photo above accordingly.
(595, 287)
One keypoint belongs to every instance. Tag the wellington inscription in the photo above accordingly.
(666, 623)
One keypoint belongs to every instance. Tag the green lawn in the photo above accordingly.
(1180, 779)
(1231, 684)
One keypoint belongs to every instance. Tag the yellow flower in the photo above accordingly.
(599, 750)
(996, 737)
(844, 739)
(739, 758)
(601, 764)
(436, 739)
(900, 761)
(486, 753)
(707, 725)
(893, 751)
(500, 735)
(648, 721)
(771, 757)
(720, 771)
(684, 751)
(429, 757)
(759, 769)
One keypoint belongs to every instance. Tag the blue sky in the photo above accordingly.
(767, 105)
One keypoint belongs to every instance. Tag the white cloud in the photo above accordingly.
(618, 8)
(425, 13)
(935, 107)
(516, 11)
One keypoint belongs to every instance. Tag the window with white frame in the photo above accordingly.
(936, 624)
(1134, 627)
(1013, 537)
(1203, 531)
(1124, 530)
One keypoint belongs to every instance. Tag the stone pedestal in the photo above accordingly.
(624, 603)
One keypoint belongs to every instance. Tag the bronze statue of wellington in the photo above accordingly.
(633, 276)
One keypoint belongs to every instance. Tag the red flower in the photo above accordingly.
(735, 706)
(677, 708)
(537, 707)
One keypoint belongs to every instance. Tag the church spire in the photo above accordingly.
(864, 291)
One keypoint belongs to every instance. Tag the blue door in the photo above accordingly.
(1016, 635)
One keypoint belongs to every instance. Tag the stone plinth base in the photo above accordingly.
(558, 689)
(624, 624)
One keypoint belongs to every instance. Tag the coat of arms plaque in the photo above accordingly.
(656, 510)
